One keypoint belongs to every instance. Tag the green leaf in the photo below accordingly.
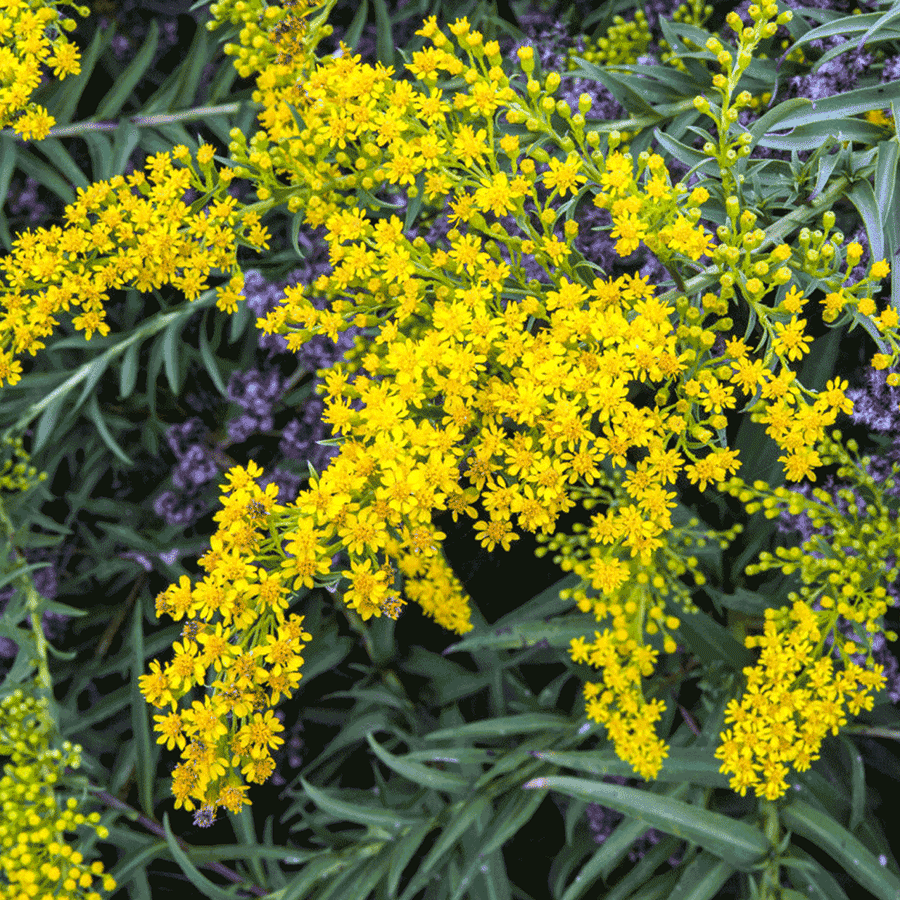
(655, 857)
(857, 783)
(850, 103)
(735, 841)
(245, 831)
(126, 82)
(47, 422)
(424, 776)
(93, 413)
(506, 822)
(863, 198)
(8, 155)
(496, 879)
(892, 15)
(196, 878)
(54, 150)
(45, 175)
(618, 86)
(358, 881)
(316, 870)
(845, 26)
(558, 632)
(465, 814)
(146, 751)
(886, 173)
(703, 878)
(209, 359)
(129, 371)
(351, 38)
(353, 811)
(100, 148)
(827, 163)
(712, 642)
(742, 600)
(690, 765)
(846, 850)
(240, 319)
(384, 37)
(173, 356)
(503, 726)
(814, 134)
(125, 138)
(200, 53)
(686, 155)
(404, 850)
(605, 860)
(772, 118)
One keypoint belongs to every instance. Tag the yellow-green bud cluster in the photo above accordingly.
(15, 473)
(622, 44)
(842, 566)
(38, 822)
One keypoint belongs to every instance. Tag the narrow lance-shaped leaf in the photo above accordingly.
(843, 847)
(731, 839)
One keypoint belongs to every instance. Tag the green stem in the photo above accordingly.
(33, 603)
(78, 129)
(874, 731)
(770, 884)
(775, 235)
(157, 323)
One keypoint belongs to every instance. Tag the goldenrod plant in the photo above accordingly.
(469, 311)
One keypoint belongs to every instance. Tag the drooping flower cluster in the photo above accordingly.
(637, 600)
(135, 231)
(819, 656)
(794, 699)
(239, 645)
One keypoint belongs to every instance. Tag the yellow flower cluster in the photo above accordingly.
(796, 694)
(30, 37)
(483, 393)
(135, 231)
(238, 643)
(38, 823)
(635, 598)
(842, 567)
(794, 698)
(646, 209)
(622, 44)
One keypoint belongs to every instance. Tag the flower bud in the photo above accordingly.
(526, 59)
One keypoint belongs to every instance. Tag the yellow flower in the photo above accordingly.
(564, 176)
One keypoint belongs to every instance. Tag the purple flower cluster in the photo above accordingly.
(45, 582)
(195, 467)
(256, 392)
(259, 393)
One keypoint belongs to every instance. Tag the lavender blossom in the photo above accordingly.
(256, 392)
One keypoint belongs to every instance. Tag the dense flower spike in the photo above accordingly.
(816, 664)
(239, 644)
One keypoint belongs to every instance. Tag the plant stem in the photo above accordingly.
(155, 828)
(77, 129)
